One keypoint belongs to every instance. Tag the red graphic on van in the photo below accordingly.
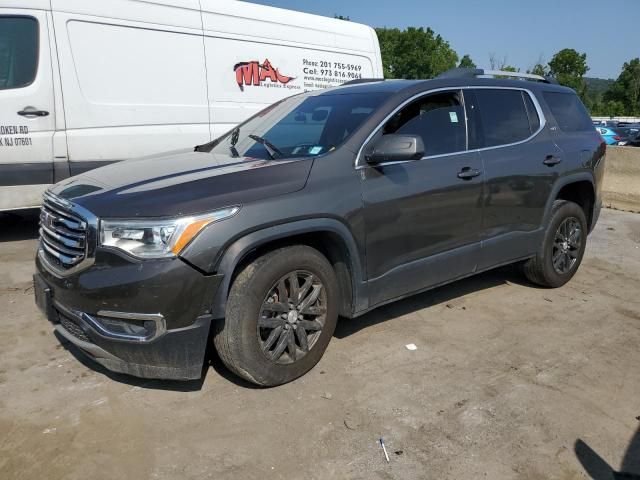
(254, 73)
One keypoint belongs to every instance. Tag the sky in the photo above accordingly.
(523, 32)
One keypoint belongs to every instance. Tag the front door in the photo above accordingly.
(423, 217)
(27, 117)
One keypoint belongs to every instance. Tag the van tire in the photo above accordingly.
(540, 269)
(243, 345)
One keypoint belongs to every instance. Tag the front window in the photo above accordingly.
(301, 126)
(438, 118)
(18, 51)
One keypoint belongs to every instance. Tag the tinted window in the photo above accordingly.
(439, 119)
(18, 51)
(300, 126)
(504, 116)
(569, 112)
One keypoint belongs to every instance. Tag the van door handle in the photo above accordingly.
(552, 160)
(33, 113)
(467, 173)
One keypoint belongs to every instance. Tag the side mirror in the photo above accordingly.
(396, 148)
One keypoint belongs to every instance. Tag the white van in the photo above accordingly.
(84, 83)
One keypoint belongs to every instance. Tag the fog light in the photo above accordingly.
(127, 327)
(136, 327)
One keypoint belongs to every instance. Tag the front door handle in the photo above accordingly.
(552, 160)
(33, 113)
(467, 173)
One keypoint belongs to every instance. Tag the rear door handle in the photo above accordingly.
(552, 160)
(33, 113)
(467, 173)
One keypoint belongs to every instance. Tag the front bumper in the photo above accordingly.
(170, 294)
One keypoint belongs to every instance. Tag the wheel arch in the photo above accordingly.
(578, 188)
(331, 237)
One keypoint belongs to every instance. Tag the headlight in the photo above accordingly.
(148, 238)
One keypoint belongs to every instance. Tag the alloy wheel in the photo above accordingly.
(566, 245)
(292, 317)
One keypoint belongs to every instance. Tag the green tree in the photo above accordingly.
(466, 62)
(414, 53)
(538, 69)
(341, 17)
(569, 68)
(626, 89)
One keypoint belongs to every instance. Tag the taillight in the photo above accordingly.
(617, 138)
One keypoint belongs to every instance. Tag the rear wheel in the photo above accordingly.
(281, 314)
(562, 249)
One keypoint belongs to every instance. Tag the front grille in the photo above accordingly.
(70, 325)
(63, 235)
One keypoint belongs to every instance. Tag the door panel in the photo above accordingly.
(518, 184)
(417, 209)
(27, 115)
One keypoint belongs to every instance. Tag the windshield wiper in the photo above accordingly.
(272, 150)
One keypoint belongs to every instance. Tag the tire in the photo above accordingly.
(541, 269)
(244, 339)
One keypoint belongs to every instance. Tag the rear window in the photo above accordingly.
(504, 116)
(569, 112)
(18, 51)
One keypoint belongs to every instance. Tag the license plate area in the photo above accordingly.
(44, 298)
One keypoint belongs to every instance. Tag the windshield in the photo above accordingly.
(301, 126)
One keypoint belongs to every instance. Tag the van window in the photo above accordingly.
(18, 51)
(503, 115)
(439, 119)
(569, 112)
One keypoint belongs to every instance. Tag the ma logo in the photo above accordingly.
(254, 73)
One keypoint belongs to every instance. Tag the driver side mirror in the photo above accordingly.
(396, 148)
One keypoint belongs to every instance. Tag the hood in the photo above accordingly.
(181, 183)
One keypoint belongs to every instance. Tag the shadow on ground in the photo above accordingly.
(345, 328)
(599, 469)
(444, 294)
(22, 225)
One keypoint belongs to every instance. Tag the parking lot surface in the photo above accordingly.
(508, 381)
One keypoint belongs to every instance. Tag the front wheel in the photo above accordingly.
(281, 314)
(562, 249)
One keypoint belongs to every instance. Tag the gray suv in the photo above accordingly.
(325, 204)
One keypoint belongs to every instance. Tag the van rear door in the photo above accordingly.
(27, 117)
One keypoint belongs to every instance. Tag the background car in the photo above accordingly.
(634, 139)
(613, 136)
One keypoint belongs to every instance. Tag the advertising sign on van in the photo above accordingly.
(255, 73)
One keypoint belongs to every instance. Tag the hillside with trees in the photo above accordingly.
(416, 53)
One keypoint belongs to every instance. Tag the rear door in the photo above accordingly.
(27, 117)
(521, 165)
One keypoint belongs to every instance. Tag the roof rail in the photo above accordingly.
(480, 72)
(362, 80)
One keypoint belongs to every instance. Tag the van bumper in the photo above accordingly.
(153, 322)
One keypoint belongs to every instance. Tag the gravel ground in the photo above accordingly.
(508, 381)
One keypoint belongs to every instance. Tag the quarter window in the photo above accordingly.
(18, 51)
(504, 116)
(439, 119)
(569, 112)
